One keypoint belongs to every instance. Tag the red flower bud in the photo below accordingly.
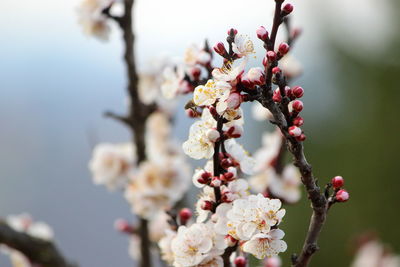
(297, 105)
(184, 215)
(262, 33)
(337, 182)
(207, 205)
(342, 195)
(123, 226)
(298, 121)
(247, 83)
(265, 61)
(276, 70)
(271, 55)
(283, 48)
(219, 48)
(289, 92)
(295, 131)
(240, 261)
(298, 91)
(287, 9)
(234, 31)
(277, 97)
(301, 138)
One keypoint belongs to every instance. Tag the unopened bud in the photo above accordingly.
(234, 100)
(123, 226)
(298, 121)
(297, 105)
(337, 182)
(289, 92)
(240, 261)
(184, 215)
(256, 76)
(276, 70)
(206, 205)
(342, 195)
(277, 97)
(232, 31)
(283, 48)
(298, 91)
(262, 33)
(265, 61)
(271, 55)
(295, 131)
(219, 48)
(287, 9)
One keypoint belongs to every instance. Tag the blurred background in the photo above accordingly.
(55, 84)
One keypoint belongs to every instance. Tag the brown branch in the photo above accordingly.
(295, 147)
(37, 250)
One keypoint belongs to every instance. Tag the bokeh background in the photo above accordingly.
(55, 83)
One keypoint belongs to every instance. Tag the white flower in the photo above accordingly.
(240, 155)
(172, 81)
(92, 20)
(207, 195)
(111, 163)
(198, 172)
(191, 245)
(373, 254)
(165, 246)
(205, 95)
(229, 73)
(24, 223)
(266, 245)
(260, 113)
(253, 215)
(194, 55)
(242, 45)
(290, 66)
(216, 261)
(198, 145)
(287, 187)
(271, 146)
(236, 189)
(157, 226)
(157, 186)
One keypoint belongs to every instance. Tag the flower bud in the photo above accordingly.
(265, 61)
(195, 72)
(298, 121)
(287, 9)
(297, 105)
(204, 178)
(301, 138)
(276, 70)
(337, 182)
(215, 182)
(342, 195)
(273, 262)
(191, 113)
(262, 33)
(256, 76)
(226, 163)
(230, 240)
(206, 205)
(213, 135)
(289, 92)
(123, 226)
(283, 48)
(298, 91)
(219, 48)
(184, 215)
(295, 131)
(271, 55)
(234, 100)
(277, 97)
(240, 261)
(233, 31)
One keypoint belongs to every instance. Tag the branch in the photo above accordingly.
(37, 250)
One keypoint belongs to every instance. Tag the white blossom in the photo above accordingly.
(240, 155)
(165, 246)
(260, 113)
(290, 66)
(266, 245)
(236, 189)
(373, 254)
(194, 55)
(172, 81)
(208, 94)
(242, 45)
(206, 195)
(110, 164)
(92, 20)
(229, 73)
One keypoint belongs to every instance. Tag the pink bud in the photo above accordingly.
(297, 105)
(226, 163)
(215, 182)
(204, 178)
(342, 195)
(337, 182)
(265, 61)
(295, 131)
(206, 205)
(298, 91)
(276, 70)
(234, 31)
(262, 33)
(240, 261)
(234, 100)
(184, 215)
(277, 97)
(220, 48)
(298, 121)
(301, 138)
(271, 55)
(287, 9)
(273, 262)
(283, 48)
(195, 72)
(289, 92)
(256, 76)
(123, 226)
